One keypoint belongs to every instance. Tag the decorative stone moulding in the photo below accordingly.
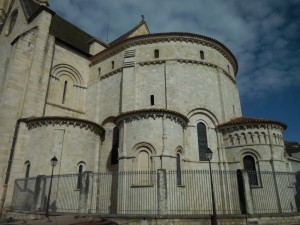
(141, 114)
(243, 123)
(66, 121)
(166, 37)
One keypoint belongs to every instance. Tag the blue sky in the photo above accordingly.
(264, 35)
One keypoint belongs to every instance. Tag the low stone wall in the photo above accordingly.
(270, 219)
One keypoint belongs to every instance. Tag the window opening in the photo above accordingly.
(26, 174)
(228, 69)
(201, 55)
(152, 99)
(65, 92)
(115, 146)
(79, 178)
(202, 141)
(99, 71)
(249, 165)
(112, 64)
(156, 53)
(178, 169)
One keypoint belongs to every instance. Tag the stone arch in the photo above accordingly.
(143, 153)
(264, 137)
(251, 137)
(244, 138)
(247, 151)
(231, 140)
(238, 140)
(205, 112)
(194, 133)
(66, 87)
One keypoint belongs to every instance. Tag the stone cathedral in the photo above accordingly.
(143, 102)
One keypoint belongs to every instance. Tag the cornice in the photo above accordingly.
(243, 123)
(152, 113)
(35, 122)
(166, 37)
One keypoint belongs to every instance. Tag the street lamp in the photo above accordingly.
(53, 164)
(214, 221)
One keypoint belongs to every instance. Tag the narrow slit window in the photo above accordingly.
(65, 92)
(178, 169)
(115, 146)
(228, 68)
(152, 99)
(99, 71)
(201, 55)
(112, 64)
(26, 174)
(156, 53)
(79, 179)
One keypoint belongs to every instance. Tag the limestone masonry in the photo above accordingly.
(142, 102)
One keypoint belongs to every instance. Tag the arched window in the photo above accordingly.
(115, 146)
(178, 168)
(202, 140)
(201, 55)
(249, 165)
(80, 170)
(156, 53)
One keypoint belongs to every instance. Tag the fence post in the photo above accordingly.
(39, 193)
(248, 194)
(162, 191)
(84, 191)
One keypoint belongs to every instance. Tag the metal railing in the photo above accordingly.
(186, 193)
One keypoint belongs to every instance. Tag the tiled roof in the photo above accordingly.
(249, 120)
(70, 34)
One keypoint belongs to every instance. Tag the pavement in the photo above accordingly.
(60, 220)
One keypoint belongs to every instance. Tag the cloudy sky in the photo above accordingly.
(264, 35)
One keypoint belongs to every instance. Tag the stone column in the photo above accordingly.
(84, 191)
(247, 192)
(39, 198)
(162, 194)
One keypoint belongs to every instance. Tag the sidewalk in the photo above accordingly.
(61, 220)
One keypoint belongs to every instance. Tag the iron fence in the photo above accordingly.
(137, 192)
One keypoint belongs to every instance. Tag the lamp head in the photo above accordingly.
(54, 161)
(209, 154)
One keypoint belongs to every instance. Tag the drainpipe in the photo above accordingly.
(10, 160)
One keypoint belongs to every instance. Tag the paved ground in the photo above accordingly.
(60, 220)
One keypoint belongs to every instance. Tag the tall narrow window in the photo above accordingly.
(112, 64)
(178, 169)
(202, 140)
(79, 178)
(201, 55)
(27, 170)
(249, 165)
(99, 71)
(152, 99)
(156, 53)
(115, 146)
(228, 68)
(65, 92)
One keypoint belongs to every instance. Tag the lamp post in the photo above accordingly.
(214, 221)
(53, 164)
